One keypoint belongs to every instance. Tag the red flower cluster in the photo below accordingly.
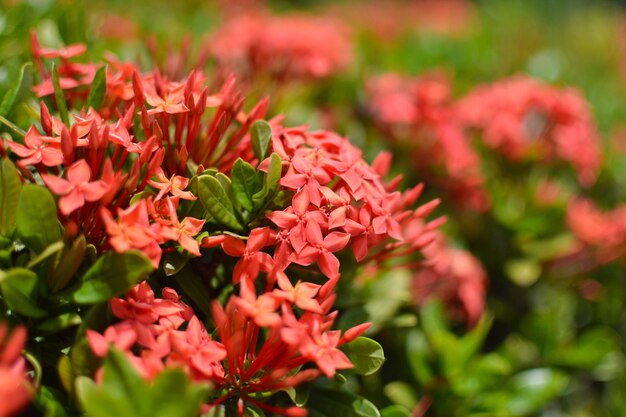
(523, 118)
(122, 173)
(147, 133)
(455, 277)
(290, 47)
(15, 390)
(419, 115)
(163, 332)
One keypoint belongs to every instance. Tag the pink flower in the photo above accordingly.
(252, 259)
(77, 188)
(320, 249)
(15, 391)
(322, 349)
(132, 231)
(38, 149)
(174, 185)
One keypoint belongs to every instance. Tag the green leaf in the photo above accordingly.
(418, 352)
(98, 89)
(59, 323)
(123, 393)
(47, 400)
(20, 292)
(270, 183)
(112, 275)
(47, 252)
(10, 189)
(401, 393)
(36, 220)
(261, 135)
(173, 262)
(395, 411)
(9, 98)
(366, 354)
(331, 403)
(528, 391)
(215, 200)
(194, 287)
(59, 97)
(246, 181)
(67, 267)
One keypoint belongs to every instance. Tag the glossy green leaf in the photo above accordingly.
(366, 355)
(216, 202)
(36, 220)
(261, 135)
(10, 189)
(9, 98)
(112, 275)
(270, 182)
(98, 89)
(59, 97)
(20, 292)
(246, 181)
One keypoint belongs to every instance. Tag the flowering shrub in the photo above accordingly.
(164, 180)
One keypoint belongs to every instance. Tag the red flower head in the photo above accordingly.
(15, 391)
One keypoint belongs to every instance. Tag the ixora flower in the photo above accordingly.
(602, 232)
(210, 194)
(288, 47)
(15, 389)
(418, 115)
(520, 117)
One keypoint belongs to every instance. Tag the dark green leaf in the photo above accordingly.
(49, 403)
(47, 252)
(331, 403)
(10, 189)
(59, 96)
(215, 200)
(261, 135)
(366, 354)
(9, 98)
(195, 289)
(67, 267)
(36, 220)
(112, 275)
(59, 323)
(98, 89)
(173, 262)
(20, 291)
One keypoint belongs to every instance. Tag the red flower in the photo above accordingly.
(15, 391)
(38, 149)
(252, 259)
(132, 231)
(320, 249)
(76, 189)
(174, 185)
